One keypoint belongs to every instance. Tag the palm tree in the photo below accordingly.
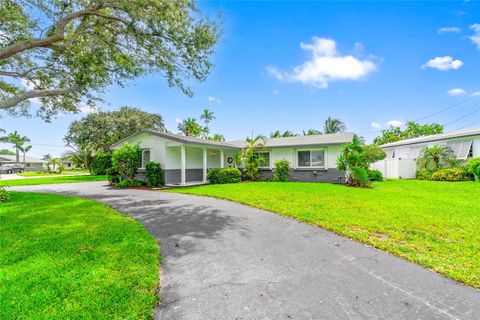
(24, 150)
(207, 116)
(53, 162)
(435, 156)
(190, 127)
(311, 132)
(47, 157)
(217, 137)
(17, 140)
(250, 158)
(278, 134)
(333, 125)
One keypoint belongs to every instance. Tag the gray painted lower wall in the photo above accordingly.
(330, 175)
(173, 176)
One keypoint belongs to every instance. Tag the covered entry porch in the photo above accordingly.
(188, 164)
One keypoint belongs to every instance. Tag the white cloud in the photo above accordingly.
(476, 37)
(448, 30)
(178, 120)
(213, 99)
(86, 109)
(275, 92)
(443, 63)
(375, 125)
(394, 123)
(476, 94)
(325, 65)
(457, 92)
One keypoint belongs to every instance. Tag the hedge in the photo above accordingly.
(224, 175)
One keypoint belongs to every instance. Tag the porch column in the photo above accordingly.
(205, 165)
(222, 165)
(182, 165)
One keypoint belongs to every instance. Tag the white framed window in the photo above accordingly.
(145, 157)
(266, 156)
(311, 158)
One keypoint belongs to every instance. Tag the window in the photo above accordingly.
(145, 157)
(311, 158)
(266, 157)
(461, 149)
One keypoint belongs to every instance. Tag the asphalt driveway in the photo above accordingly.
(226, 261)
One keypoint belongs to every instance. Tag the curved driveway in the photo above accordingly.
(226, 261)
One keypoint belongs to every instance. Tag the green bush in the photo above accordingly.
(424, 174)
(451, 174)
(474, 167)
(100, 163)
(154, 174)
(129, 183)
(224, 175)
(4, 196)
(126, 160)
(281, 170)
(113, 176)
(375, 175)
(60, 168)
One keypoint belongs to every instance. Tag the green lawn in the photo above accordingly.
(435, 224)
(51, 180)
(37, 174)
(69, 258)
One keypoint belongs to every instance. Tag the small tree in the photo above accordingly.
(281, 171)
(250, 158)
(52, 163)
(126, 160)
(355, 160)
(435, 157)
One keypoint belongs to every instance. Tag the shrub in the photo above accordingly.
(154, 174)
(126, 160)
(224, 175)
(4, 196)
(374, 175)
(100, 163)
(451, 174)
(474, 167)
(129, 183)
(281, 170)
(113, 176)
(60, 168)
(424, 174)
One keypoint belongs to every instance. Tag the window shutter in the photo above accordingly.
(464, 149)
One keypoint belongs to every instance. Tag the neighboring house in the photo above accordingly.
(31, 164)
(69, 165)
(402, 155)
(187, 159)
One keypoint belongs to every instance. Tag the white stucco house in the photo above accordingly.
(31, 164)
(185, 160)
(402, 155)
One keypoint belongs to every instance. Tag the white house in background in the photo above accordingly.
(402, 155)
(186, 159)
(31, 164)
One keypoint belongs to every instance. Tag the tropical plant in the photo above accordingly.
(46, 157)
(126, 160)
(281, 170)
(278, 134)
(68, 52)
(375, 175)
(113, 176)
(333, 125)
(154, 174)
(216, 137)
(24, 150)
(412, 130)
(435, 157)
(99, 131)
(17, 140)
(60, 168)
(474, 167)
(207, 116)
(81, 156)
(451, 174)
(100, 163)
(311, 132)
(4, 196)
(224, 175)
(355, 161)
(190, 127)
(53, 163)
(250, 158)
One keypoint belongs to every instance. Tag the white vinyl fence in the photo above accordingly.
(396, 168)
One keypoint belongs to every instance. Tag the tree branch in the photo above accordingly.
(19, 98)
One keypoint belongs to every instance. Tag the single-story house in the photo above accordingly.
(402, 155)
(186, 159)
(31, 164)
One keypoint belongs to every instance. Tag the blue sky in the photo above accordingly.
(290, 65)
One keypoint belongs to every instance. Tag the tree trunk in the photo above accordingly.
(17, 155)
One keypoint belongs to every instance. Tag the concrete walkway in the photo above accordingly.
(226, 261)
(14, 176)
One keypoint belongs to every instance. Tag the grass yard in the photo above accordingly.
(41, 174)
(69, 258)
(435, 224)
(51, 180)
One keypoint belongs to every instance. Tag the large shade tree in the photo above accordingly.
(412, 130)
(65, 53)
(96, 132)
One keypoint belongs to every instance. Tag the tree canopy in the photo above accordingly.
(98, 131)
(412, 130)
(333, 125)
(65, 53)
